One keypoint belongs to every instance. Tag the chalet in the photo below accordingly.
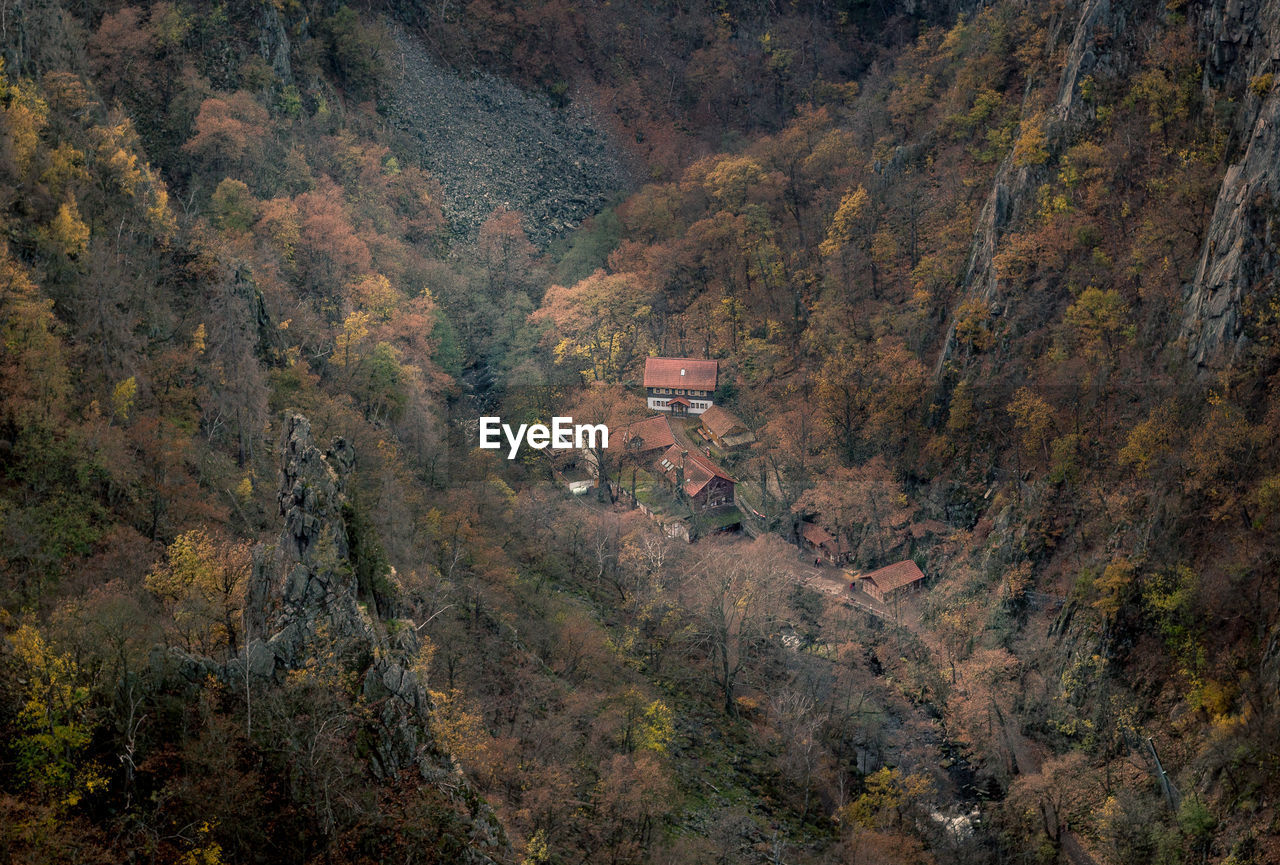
(724, 428)
(892, 581)
(705, 484)
(818, 541)
(680, 385)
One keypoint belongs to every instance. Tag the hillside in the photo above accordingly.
(993, 286)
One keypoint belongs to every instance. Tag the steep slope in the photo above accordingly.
(303, 605)
(494, 146)
(1238, 260)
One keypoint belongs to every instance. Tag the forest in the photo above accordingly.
(994, 285)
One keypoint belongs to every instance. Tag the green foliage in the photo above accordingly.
(234, 207)
(55, 722)
(588, 248)
(357, 52)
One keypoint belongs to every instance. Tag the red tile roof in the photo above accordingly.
(895, 576)
(684, 372)
(649, 434)
(815, 534)
(679, 401)
(698, 470)
(721, 421)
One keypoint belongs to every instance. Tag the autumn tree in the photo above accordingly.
(202, 583)
(733, 600)
(598, 324)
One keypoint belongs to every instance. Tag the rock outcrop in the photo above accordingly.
(1242, 42)
(303, 600)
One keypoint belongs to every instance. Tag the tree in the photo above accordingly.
(614, 407)
(858, 504)
(202, 583)
(1101, 320)
(230, 134)
(506, 256)
(733, 597)
(54, 720)
(598, 324)
(1033, 419)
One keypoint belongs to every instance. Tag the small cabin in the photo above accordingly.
(819, 542)
(891, 582)
(725, 429)
(680, 385)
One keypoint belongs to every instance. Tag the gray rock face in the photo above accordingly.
(304, 584)
(491, 145)
(302, 599)
(1242, 41)
(1011, 188)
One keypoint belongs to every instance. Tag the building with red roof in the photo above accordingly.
(893, 580)
(680, 385)
(651, 435)
(704, 483)
(820, 542)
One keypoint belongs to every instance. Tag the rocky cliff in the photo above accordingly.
(303, 600)
(1241, 41)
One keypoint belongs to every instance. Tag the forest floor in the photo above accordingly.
(491, 145)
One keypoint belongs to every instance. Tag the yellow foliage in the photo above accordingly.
(536, 851)
(54, 721)
(354, 331)
(851, 208)
(972, 317)
(25, 115)
(1033, 418)
(375, 293)
(732, 178)
(887, 791)
(1032, 146)
(63, 166)
(461, 729)
(657, 728)
(202, 583)
(122, 397)
(67, 233)
(207, 851)
(1113, 587)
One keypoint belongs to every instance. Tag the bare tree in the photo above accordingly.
(735, 596)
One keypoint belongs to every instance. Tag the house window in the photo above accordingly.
(680, 391)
